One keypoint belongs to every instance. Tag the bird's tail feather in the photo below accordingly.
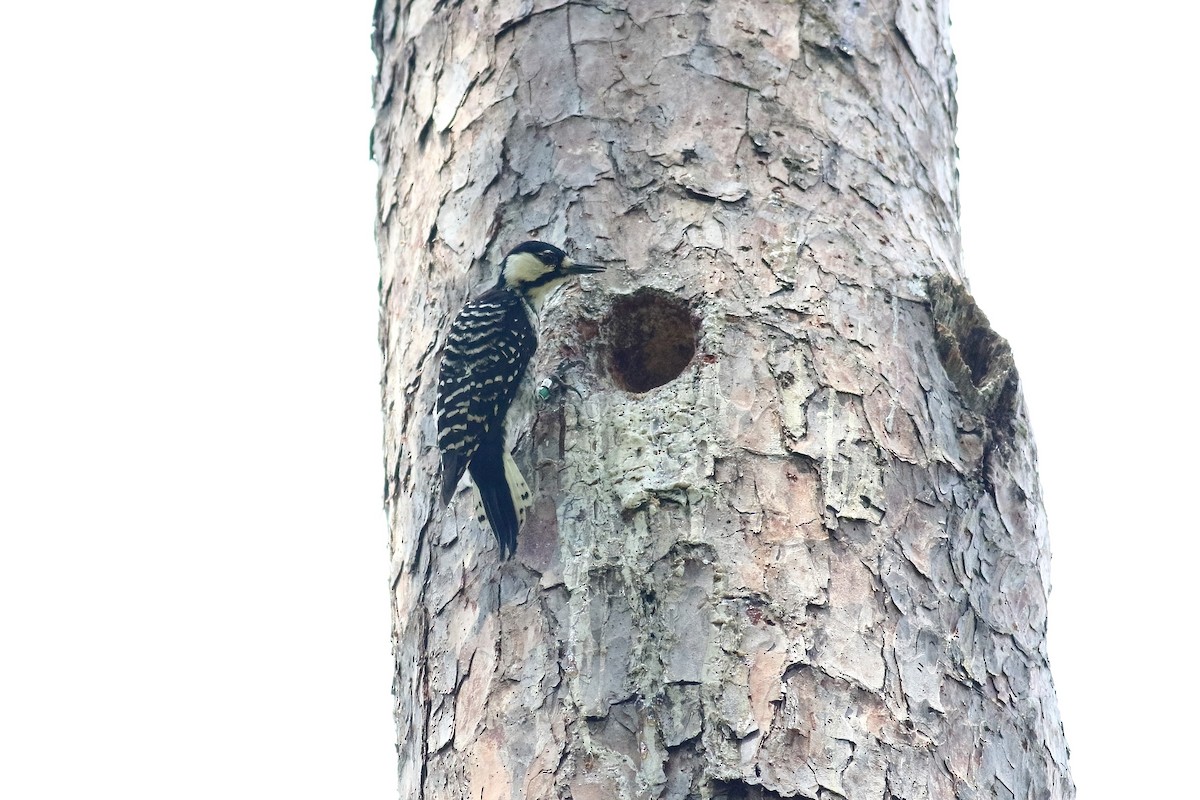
(452, 471)
(504, 496)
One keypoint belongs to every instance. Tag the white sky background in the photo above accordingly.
(193, 561)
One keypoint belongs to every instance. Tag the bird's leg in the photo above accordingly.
(555, 383)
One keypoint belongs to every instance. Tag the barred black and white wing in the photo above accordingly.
(488, 349)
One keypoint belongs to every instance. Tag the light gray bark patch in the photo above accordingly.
(813, 744)
(605, 647)
(839, 439)
(923, 27)
(548, 88)
(705, 119)
(680, 631)
(679, 716)
(766, 37)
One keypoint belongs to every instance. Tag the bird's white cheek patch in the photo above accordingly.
(523, 268)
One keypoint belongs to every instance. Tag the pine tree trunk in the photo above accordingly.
(788, 538)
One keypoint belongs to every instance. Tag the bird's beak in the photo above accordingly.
(569, 267)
